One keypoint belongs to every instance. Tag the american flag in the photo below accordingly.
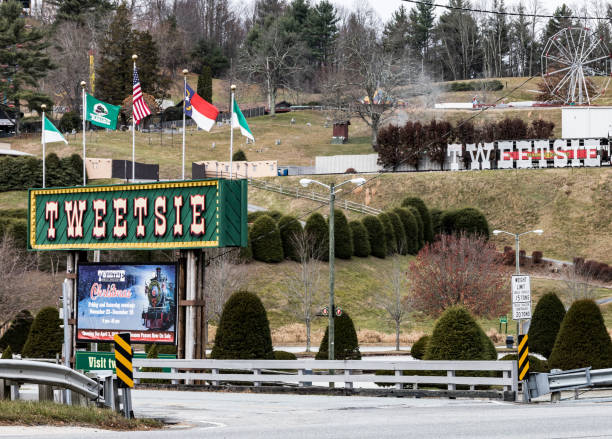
(139, 105)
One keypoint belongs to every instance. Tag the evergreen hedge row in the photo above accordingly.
(21, 173)
(390, 241)
(317, 228)
(401, 245)
(343, 237)
(411, 231)
(361, 241)
(419, 204)
(266, 240)
(376, 235)
(468, 220)
(420, 230)
(289, 228)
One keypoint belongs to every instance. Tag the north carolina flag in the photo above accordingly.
(203, 113)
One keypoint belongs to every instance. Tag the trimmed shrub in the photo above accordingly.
(284, 355)
(545, 324)
(361, 242)
(419, 347)
(400, 234)
(536, 257)
(46, 337)
(343, 238)
(509, 257)
(289, 228)
(436, 220)
(346, 346)
(7, 354)
(17, 333)
(244, 330)
(274, 214)
(239, 156)
(390, 241)
(266, 240)
(71, 120)
(468, 220)
(316, 226)
(376, 235)
(535, 364)
(417, 216)
(411, 230)
(582, 340)
(457, 336)
(246, 253)
(419, 204)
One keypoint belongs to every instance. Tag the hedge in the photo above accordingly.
(317, 228)
(411, 231)
(376, 235)
(239, 156)
(284, 355)
(419, 347)
(266, 240)
(289, 228)
(346, 346)
(419, 204)
(244, 330)
(582, 340)
(274, 214)
(545, 324)
(46, 337)
(421, 231)
(21, 173)
(468, 220)
(400, 234)
(361, 242)
(390, 240)
(343, 237)
(436, 220)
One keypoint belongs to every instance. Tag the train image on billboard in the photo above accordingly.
(161, 310)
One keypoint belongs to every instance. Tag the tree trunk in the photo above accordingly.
(17, 118)
(307, 335)
(397, 336)
(375, 123)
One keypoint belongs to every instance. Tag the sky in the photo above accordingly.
(385, 8)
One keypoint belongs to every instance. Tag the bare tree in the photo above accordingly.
(394, 297)
(224, 275)
(14, 266)
(303, 287)
(577, 282)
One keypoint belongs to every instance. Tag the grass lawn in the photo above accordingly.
(49, 413)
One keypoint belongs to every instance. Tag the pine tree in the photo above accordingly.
(397, 32)
(23, 60)
(361, 241)
(76, 10)
(421, 30)
(322, 31)
(46, 336)
(346, 345)
(205, 87)
(151, 79)
(545, 324)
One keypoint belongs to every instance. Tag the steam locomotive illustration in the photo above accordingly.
(161, 311)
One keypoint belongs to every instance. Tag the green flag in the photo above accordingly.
(51, 134)
(101, 114)
(239, 121)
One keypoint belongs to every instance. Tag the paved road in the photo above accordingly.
(251, 416)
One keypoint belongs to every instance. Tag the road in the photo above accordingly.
(258, 416)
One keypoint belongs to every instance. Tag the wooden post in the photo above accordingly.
(181, 309)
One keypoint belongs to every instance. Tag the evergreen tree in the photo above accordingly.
(346, 345)
(316, 226)
(266, 240)
(545, 324)
(397, 32)
(322, 28)
(376, 235)
(558, 21)
(343, 237)
(244, 330)
(390, 240)
(420, 228)
(239, 156)
(411, 231)
(289, 228)
(421, 26)
(23, 60)
(425, 216)
(76, 10)
(17, 333)
(205, 85)
(208, 53)
(46, 337)
(400, 234)
(361, 242)
(152, 80)
(7, 354)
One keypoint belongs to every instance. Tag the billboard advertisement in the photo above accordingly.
(135, 298)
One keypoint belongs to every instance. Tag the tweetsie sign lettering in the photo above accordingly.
(189, 214)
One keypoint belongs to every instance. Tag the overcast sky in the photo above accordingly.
(385, 8)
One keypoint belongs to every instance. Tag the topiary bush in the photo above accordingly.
(284, 355)
(468, 220)
(436, 220)
(419, 347)
(343, 237)
(71, 120)
(361, 242)
(274, 214)
(246, 253)
(411, 231)
(419, 221)
(390, 240)
(400, 234)
(46, 337)
(316, 226)
(239, 156)
(376, 236)
(346, 346)
(419, 204)
(289, 228)
(266, 240)
(582, 340)
(545, 324)
(244, 329)
(17, 333)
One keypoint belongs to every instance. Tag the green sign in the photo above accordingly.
(186, 214)
(503, 319)
(101, 114)
(106, 360)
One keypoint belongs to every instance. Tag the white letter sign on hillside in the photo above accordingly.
(521, 297)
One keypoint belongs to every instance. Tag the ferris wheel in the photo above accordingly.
(576, 65)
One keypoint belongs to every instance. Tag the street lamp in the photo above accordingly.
(333, 190)
(516, 240)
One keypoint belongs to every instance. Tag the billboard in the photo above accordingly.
(183, 214)
(137, 298)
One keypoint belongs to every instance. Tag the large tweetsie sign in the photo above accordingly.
(524, 154)
(186, 214)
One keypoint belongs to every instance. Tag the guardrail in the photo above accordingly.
(555, 382)
(305, 372)
(37, 372)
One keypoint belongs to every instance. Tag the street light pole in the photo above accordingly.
(332, 244)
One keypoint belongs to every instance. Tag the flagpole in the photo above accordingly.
(185, 71)
(84, 128)
(134, 57)
(43, 106)
(233, 88)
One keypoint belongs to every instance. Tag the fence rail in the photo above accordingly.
(304, 372)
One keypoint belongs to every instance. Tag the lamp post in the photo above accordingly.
(517, 261)
(333, 190)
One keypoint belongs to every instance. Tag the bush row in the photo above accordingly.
(21, 173)
(594, 269)
(494, 85)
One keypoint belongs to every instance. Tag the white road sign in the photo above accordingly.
(521, 297)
